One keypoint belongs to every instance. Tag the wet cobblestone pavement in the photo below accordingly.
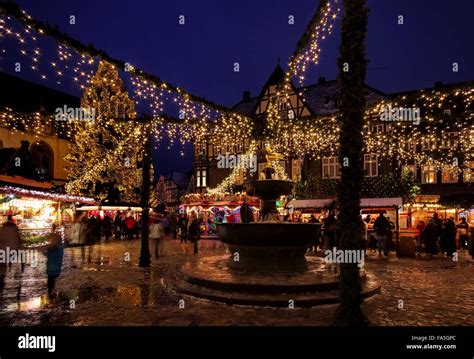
(98, 286)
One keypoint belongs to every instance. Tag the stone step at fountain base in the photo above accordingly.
(211, 279)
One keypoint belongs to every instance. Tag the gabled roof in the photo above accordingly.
(321, 98)
(247, 107)
(179, 178)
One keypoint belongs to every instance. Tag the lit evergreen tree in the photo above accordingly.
(95, 141)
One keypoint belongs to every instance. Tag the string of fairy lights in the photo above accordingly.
(200, 122)
(198, 117)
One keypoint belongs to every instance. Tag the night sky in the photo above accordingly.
(199, 56)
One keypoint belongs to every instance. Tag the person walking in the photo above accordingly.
(420, 226)
(129, 226)
(439, 228)
(118, 226)
(463, 230)
(54, 257)
(314, 246)
(429, 237)
(330, 225)
(107, 227)
(156, 235)
(382, 229)
(194, 233)
(448, 237)
(10, 239)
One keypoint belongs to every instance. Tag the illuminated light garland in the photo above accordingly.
(317, 138)
(21, 192)
(70, 44)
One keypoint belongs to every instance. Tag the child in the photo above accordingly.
(54, 255)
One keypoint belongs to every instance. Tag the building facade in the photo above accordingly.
(37, 154)
(322, 100)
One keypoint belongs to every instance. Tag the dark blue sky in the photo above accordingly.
(199, 56)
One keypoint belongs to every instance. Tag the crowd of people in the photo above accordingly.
(90, 229)
(444, 236)
(437, 237)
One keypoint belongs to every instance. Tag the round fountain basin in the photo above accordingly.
(268, 247)
(268, 189)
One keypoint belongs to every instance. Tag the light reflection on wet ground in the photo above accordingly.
(98, 286)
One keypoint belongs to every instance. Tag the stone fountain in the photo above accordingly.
(267, 264)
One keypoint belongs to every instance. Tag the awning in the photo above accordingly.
(62, 197)
(381, 202)
(392, 202)
(309, 203)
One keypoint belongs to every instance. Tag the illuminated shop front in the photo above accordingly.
(425, 206)
(35, 211)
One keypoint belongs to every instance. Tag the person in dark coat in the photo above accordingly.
(329, 228)
(9, 238)
(194, 233)
(382, 231)
(54, 255)
(314, 245)
(448, 237)
(429, 237)
(107, 227)
(118, 226)
(439, 227)
(463, 229)
(246, 213)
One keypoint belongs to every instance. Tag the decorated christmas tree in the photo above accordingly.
(101, 160)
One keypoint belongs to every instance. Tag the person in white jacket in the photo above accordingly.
(156, 235)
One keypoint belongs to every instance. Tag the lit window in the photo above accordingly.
(204, 178)
(201, 177)
(448, 175)
(428, 174)
(331, 167)
(295, 170)
(198, 178)
(371, 168)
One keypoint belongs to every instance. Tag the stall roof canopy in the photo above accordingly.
(364, 203)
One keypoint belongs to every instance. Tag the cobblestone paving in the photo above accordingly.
(98, 286)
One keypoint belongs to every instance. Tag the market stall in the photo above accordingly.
(212, 209)
(34, 211)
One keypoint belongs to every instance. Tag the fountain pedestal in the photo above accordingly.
(267, 264)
